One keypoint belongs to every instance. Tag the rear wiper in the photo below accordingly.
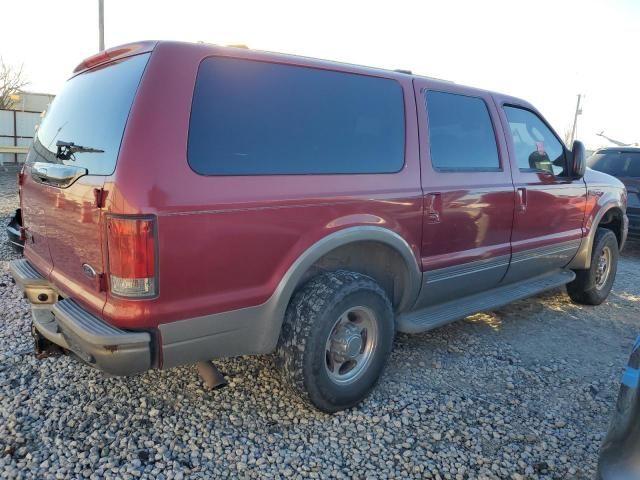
(67, 149)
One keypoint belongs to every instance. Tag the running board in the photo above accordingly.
(438, 315)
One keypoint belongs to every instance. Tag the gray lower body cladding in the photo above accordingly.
(250, 330)
(124, 352)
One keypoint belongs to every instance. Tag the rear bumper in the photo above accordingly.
(67, 324)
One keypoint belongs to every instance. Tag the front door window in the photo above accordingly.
(536, 147)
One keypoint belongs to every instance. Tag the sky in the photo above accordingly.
(545, 51)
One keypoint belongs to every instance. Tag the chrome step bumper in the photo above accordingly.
(66, 323)
(35, 287)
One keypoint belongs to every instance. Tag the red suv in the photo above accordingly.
(185, 202)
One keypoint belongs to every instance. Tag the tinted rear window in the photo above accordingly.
(91, 111)
(461, 135)
(616, 163)
(256, 118)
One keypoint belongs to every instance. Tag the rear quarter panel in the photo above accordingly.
(225, 242)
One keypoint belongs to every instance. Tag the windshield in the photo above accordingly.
(90, 112)
(616, 163)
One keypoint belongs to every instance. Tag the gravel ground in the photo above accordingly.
(522, 392)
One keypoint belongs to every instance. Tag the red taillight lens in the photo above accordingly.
(131, 247)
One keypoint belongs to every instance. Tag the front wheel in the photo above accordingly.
(592, 286)
(336, 338)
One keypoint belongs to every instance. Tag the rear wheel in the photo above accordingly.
(592, 286)
(336, 338)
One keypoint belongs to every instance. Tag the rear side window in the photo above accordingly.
(616, 163)
(256, 118)
(91, 111)
(461, 135)
(536, 147)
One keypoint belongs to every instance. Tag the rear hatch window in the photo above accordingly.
(90, 112)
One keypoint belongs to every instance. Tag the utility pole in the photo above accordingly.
(574, 130)
(101, 24)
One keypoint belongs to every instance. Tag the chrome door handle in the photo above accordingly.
(522, 199)
(433, 207)
(56, 174)
(39, 171)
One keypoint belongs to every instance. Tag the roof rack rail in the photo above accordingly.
(400, 70)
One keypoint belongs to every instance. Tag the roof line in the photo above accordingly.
(307, 57)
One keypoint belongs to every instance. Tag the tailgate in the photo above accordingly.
(74, 151)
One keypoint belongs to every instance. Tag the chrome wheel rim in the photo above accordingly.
(350, 345)
(603, 267)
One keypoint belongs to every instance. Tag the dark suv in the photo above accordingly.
(624, 164)
(184, 202)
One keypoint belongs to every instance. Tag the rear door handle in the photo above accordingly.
(39, 171)
(522, 199)
(56, 174)
(433, 207)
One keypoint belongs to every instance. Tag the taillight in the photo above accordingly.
(131, 247)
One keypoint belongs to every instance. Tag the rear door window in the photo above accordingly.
(91, 111)
(257, 118)
(461, 135)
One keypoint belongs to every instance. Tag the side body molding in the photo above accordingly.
(256, 329)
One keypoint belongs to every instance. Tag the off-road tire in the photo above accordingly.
(583, 288)
(309, 319)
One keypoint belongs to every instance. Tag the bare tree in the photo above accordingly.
(12, 80)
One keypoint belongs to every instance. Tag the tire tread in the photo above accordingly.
(582, 289)
(317, 296)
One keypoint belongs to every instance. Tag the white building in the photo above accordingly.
(18, 125)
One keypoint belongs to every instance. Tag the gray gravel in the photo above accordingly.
(523, 392)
